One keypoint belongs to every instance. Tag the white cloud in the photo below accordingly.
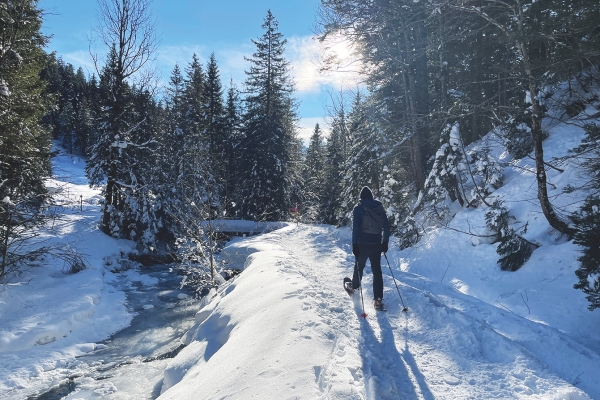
(232, 64)
(80, 58)
(168, 56)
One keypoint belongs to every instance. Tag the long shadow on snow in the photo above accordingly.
(405, 357)
(383, 364)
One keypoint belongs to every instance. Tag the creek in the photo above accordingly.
(130, 364)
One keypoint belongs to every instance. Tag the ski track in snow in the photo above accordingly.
(442, 348)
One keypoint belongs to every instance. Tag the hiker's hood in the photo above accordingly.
(366, 193)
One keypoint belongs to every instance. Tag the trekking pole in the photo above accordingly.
(405, 309)
(364, 314)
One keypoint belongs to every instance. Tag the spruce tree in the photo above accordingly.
(514, 250)
(215, 132)
(127, 30)
(194, 159)
(269, 129)
(24, 143)
(363, 163)
(174, 128)
(587, 220)
(232, 135)
(313, 176)
(334, 167)
(116, 156)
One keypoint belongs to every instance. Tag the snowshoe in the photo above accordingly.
(379, 305)
(348, 286)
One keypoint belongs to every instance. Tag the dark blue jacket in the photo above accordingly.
(358, 236)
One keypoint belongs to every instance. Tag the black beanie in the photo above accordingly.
(366, 194)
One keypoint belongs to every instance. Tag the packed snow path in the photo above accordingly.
(286, 329)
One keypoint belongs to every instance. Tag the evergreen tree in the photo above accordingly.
(313, 176)
(232, 131)
(445, 183)
(85, 125)
(514, 250)
(363, 164)
(144, 217)
(174, 128)
(269, 129)
(24, 143)
(194, 160)
(193, 98)
(334, 167)
(128, 32)
(117, 155)
(587, 220)
(215, 132)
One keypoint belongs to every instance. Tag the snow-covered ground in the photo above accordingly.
(49, 317)
(285, 329)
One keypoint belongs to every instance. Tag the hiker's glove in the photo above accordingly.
(355, 250)
(384, 247)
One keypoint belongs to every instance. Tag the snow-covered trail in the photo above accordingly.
(448, 345)
(443, 347)
(323, 259)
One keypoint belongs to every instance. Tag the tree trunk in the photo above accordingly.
(538, 137)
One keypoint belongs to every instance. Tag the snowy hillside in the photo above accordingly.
(285, 328)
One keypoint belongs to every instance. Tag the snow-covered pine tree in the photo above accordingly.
(24, 143)
(313, 174)
(587, 220)
(175, 128)
(232, 129)
(269, 129)
(334, 167)
(214, 134)
(105, 154)
(517, 137)
(194, 160)
(144, 217)
(588, 236)
(363, 162)
(445, 183)
(127, 30)
(514, 250)
(487, 174)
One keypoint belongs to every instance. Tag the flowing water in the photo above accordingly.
(130, 364)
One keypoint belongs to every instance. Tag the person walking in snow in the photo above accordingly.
(368, 223)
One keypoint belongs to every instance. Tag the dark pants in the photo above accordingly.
(373, 253)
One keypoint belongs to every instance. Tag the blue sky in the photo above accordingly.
(224, 27)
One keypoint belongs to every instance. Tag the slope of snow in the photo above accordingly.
(48, 317)
(286, 329)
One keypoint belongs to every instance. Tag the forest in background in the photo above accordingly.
(439, 75)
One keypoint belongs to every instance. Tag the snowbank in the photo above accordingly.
(49, 317)
(258, 330)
